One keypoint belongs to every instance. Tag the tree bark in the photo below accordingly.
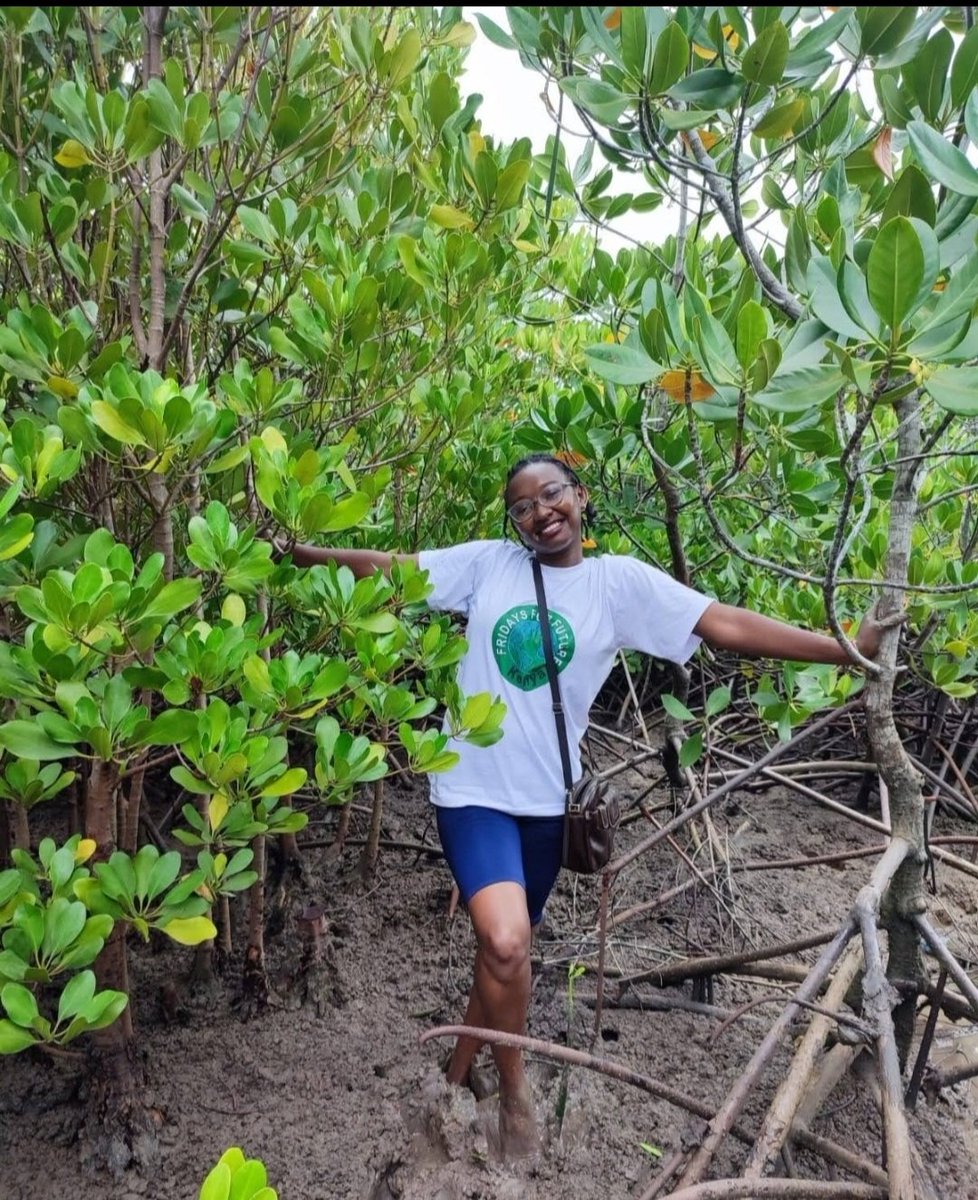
(119, 1131)
(905, 898)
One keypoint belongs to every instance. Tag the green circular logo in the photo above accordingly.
(517, 643)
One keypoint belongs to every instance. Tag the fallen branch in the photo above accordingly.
(788, 1189)
(693, 968)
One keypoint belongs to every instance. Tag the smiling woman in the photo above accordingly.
(500, 810)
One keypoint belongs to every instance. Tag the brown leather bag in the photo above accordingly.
(591, 809)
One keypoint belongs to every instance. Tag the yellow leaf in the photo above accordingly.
(883, 151)
(589, 544)
(958, 648)
(85, 849)
(450, 218)
(273, 441)
(675, 384)
(477, 143)
(217, 810)
(62, 387)
(190, 931)
(461, 34)
(730, 36)
(525, 246)
(72, 154)
(233, 609)
(708, 138)
(613, 19)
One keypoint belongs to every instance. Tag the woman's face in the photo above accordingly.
(551, 529)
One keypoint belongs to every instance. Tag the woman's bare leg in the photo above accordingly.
(499, 999)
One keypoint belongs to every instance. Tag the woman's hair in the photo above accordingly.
(531, 460)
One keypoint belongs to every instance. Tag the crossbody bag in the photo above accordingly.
(591, 809)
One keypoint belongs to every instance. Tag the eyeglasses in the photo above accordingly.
(550, 495)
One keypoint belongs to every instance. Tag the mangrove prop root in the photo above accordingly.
(785, 1105)
(947, 959)
(868, 899)
(579, 1058)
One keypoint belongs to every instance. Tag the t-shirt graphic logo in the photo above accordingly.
(517, 643)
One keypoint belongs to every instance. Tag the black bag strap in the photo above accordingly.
(548, 656)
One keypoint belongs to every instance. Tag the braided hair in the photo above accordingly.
(589, 514)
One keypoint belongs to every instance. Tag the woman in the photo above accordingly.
(500, 811)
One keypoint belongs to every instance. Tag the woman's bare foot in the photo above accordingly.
(519, 1136)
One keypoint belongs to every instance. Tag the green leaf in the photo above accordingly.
(676, 708)
(13, 1039)
(346, 513)
(911, 196)
(16, 534)
(895, 271)
(764, 60)
(217, 1185)
(20, 1004)
(941, 160)
(493, 32)
(512, 181)
(77, 993)
(690, 750)
(26, 740)
(670, 58)
(955, 389)
(634, 41)
(712, 87)
(802, 390)
(718, 701)
(928, 72)
(172, 727)
(600, 99)
(190, 931)
(826, 302)
(450, 218)
(404, 57)
(288, 782)
(63, 923)
(622, 363)
(780, 120)
(248, 1180)
(752, 329)
(108, 420)
(883, 29)
(172, 598)
(680, 119)
(964, 72)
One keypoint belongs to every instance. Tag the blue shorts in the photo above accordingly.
(484, 846)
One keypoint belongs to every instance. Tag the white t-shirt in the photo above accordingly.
(596, 608)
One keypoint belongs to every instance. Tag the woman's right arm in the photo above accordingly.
(361, 562)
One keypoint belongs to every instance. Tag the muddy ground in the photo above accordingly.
(339, 1099)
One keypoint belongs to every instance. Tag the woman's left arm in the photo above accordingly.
(728, 628)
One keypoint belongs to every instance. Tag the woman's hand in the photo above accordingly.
(282, 544)
(871, 630)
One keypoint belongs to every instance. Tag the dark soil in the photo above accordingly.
(331, 1089)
